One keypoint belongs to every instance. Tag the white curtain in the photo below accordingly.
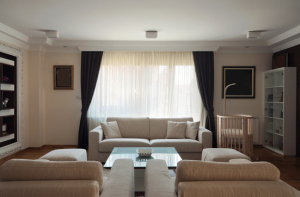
(146, 84)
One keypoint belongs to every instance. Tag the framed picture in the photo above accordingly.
(63, 77)
(244, 77)
(270, 127)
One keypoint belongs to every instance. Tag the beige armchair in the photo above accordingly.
(212, 179)
(36, 178)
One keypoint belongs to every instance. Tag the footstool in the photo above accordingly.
(66, 155)
(222, 155)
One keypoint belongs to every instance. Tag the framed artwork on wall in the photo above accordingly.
(63, 77)
(244, 77)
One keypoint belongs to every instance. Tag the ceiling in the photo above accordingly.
(175, 20)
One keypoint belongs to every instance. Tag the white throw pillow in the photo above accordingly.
(111, 130)
(192, 130)
(176, 130)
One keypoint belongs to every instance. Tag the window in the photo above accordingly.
(146, 84)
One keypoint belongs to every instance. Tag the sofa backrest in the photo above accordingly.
(158, 126)
(33, 170)
(132, 127)
(188, 171)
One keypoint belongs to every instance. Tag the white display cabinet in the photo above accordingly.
(280, 110)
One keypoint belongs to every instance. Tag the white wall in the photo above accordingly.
(62, 108)
(252, 107)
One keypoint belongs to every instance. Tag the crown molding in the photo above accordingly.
(14, 41)
(245, 50)
(149, 48)
(14, 33)
(286, 45)
(285, 37)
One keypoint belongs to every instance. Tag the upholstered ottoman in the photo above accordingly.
(222, 154)
(66, 155)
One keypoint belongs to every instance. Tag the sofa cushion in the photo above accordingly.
(158, 126)
(132, 127)
(38, 170)
(111, 130)
(75, 154)
(176, 130)
(181, 145)
(192, 129)
(107, 145)
(50, 188)
(222, 154)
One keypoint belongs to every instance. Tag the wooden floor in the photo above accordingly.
(289, 166)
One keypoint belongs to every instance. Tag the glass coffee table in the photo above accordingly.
(169, 154)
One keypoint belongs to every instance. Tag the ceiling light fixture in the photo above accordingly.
(52, 34)
(253, 34)
(151, 34)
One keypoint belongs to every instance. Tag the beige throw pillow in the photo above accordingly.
(192, 130)
(111, 130)
(176, 130)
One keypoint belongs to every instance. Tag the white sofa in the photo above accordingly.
(147, 132)
(44, 178)
(214, 179)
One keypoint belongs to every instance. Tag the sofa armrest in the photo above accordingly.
(95, 136)
(158, 181)
(120, 181)
(205, 137)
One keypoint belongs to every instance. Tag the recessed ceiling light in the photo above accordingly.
(65, 46)
(246, 47)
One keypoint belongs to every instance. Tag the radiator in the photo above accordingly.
(255, 129)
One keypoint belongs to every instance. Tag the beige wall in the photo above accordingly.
(252, 107)
(52, 116)
(62, 108)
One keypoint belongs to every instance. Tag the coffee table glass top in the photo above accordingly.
(169, 154)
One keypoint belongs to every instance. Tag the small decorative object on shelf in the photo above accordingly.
(271, 110)
(4, 103)
(281, 97)
(144, 152)
(6, 79)
(281, 114)
(277, 131)
(4, 127)
(271, 143)
(270, 98)
(281, 146)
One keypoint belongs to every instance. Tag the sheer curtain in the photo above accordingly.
(146, 84)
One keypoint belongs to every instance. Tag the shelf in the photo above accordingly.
(279, 134)
(278, 102)
(274, 149)
(278, 87)
(269, 132)
(278, 118)
(10, 95)
(9, 121)
(268, 87)
(268, 117)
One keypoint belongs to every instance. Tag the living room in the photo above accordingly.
(198, 85)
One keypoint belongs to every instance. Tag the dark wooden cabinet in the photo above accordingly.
(8, 99)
